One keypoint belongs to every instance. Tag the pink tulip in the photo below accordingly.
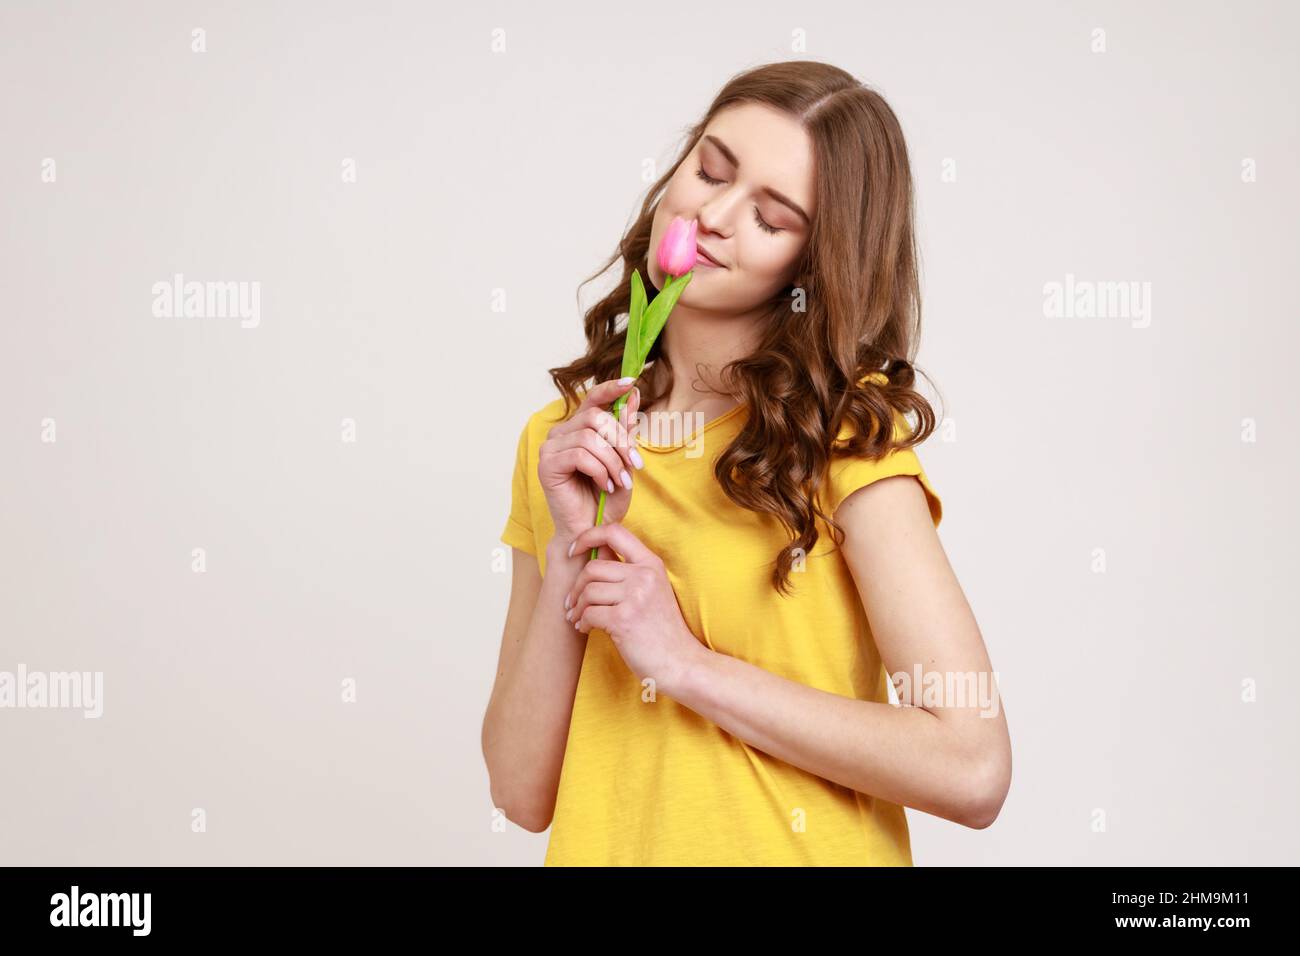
(677, 248)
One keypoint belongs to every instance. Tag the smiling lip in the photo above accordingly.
(702, 259)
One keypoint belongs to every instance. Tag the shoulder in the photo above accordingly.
(849, 473)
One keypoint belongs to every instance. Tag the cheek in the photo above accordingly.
(764, 259)
(685, 191)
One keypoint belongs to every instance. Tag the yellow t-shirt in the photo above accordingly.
(651, 782)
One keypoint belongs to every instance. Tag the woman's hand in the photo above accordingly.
(588, 454)
(634, 602)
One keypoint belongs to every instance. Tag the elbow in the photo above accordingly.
(510, 798)
(987, 792)
(535, 824)
(530, 814)
(531, 818)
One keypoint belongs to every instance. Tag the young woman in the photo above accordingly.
(761, 573)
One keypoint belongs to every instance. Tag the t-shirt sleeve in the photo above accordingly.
(848, 474)
(518, 532)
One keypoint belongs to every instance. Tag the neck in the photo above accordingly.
(698, 344)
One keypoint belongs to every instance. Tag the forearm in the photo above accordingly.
(527, 724)
(905, 755)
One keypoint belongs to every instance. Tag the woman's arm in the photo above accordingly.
(526, 725)
(949, 758)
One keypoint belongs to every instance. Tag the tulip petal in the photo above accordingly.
(676, 253)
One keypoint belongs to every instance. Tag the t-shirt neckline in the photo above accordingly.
(725, 416)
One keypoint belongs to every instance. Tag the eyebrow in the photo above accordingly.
(778, 196)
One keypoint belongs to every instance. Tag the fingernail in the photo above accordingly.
(611, 484)
(626, 479)
(636, 458)
(571, 544)
(566, 602)
(568, 615)
(627, 380)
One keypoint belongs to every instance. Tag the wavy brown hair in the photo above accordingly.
(856, 310)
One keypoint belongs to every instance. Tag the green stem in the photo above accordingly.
(618, 407)
(600, 506)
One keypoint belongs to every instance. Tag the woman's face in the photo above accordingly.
(749, 174)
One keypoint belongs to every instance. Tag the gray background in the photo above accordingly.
(378, 560)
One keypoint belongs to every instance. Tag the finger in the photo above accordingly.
(580, 459)
(625, 408)
(595, 594)
(597, 569)
(619, 442)
(599, 445)
(604, 394)
(633, 426)
(598, 396)
(605, 424)
(610, 479)
(597, 616)
(624, 542)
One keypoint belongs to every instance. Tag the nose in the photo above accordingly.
(715, 215)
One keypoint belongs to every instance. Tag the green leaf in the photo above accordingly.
(632, 342)
(657, 314)
(638, 298)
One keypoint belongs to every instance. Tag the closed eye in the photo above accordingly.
(706, 177)
(758, 218)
